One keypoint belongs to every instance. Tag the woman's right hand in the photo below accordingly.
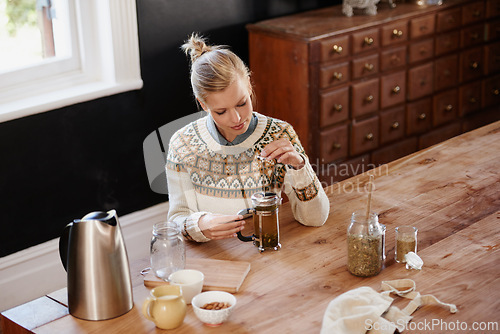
(216, 226)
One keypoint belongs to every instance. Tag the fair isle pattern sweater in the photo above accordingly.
(206, 177)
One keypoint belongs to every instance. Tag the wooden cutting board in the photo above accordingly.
(220, 275)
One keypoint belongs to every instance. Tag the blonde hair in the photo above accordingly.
(213, 67)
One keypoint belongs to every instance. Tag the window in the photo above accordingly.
(87, 49)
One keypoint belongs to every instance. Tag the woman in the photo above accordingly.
(216, 163)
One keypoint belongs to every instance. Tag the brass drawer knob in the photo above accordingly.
(423, 51)
(473, 100)
(496, 91)
(477, 13)
(422, 116)
(450, 20)
(395, 60)
(335, 147)
(395, 125)
(396, 90)
(337, 76)
(336, 107)
(397, 33)
(447, 73)
(369, 98)
(449, 107)
(369, 67)
(369, 136)
(474, 36)
(423, 28)
(368, 40)
(337, 48)
(474, 65)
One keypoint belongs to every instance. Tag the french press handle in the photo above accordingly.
(246, 213)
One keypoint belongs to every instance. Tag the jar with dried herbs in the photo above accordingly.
(364, 245)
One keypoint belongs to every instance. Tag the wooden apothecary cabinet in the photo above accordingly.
(366, 90)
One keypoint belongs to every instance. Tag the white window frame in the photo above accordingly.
(107, 63)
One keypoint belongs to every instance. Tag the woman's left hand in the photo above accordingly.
(283, 151)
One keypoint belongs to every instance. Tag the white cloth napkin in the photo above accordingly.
(364, 310)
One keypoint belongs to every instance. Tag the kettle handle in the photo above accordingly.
(246, 213)
(64, 244)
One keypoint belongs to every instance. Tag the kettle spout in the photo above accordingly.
(105, 217)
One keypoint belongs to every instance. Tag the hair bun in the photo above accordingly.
(196, 46)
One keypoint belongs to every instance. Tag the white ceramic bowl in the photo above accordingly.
(213, 317)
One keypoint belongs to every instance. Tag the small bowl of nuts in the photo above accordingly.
(213, 307)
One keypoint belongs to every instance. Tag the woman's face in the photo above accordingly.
(231, 109)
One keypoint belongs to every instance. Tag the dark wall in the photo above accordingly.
(59, 165)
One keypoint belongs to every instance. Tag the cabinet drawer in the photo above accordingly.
(473, 12)
(418, 116)
(448, 19)
(332, 173)
(479, 119)
(394, 151)
(469, 98)
(493, 30)
(333, 143)
(334, 48)
(447, 43)
(471, 64)
(392, 125)
(365, 40)
(365, 97)
(439, 135)
(446, 74)
(394, 32)
(393, 58)
(492, 8)
(337, 74)
(422, 26)
(421, 50)
(492, 58)
(472, 36)
(365, 66)
(392, 89)
(420, 81)
(334, 106)
(491, 91)
(445, 107)
(364, 135)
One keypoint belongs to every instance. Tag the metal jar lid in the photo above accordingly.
(265, 199)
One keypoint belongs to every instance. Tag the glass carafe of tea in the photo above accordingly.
(365, 238)
(265, 221)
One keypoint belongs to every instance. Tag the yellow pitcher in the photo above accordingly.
(165, 307)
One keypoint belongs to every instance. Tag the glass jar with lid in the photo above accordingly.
(167, 251)
(365, 245)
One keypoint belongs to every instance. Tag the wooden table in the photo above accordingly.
(450, 192)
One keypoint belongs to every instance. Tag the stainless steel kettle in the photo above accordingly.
(93, 253)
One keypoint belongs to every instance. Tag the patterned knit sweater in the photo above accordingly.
(206, 177)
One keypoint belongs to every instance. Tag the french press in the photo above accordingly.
(265, 220)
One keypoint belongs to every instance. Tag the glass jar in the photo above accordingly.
(167, 252)
(406, 241)
(364, 245)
